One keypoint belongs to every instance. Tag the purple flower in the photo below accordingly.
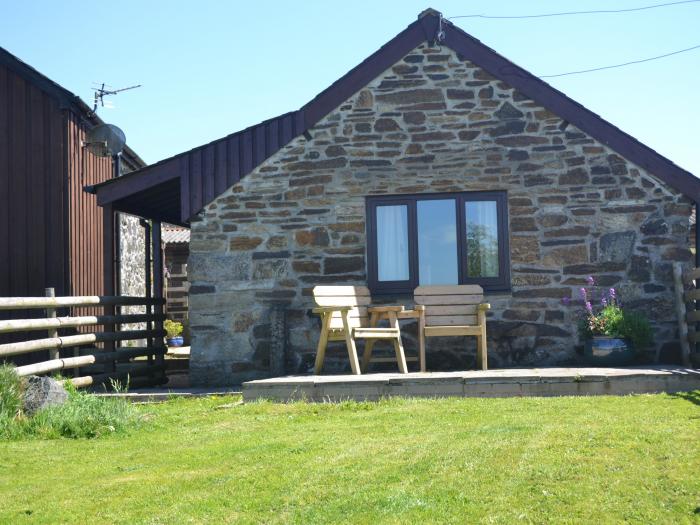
(590, 280)
(566, 300)
(612, 293)
(603, 301)
(589, 307)
(584, 294)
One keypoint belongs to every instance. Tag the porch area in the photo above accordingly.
(511, 382)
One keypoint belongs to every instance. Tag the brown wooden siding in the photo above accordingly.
(32, 189)
(85, 218)
(85, 237)
(33, 253)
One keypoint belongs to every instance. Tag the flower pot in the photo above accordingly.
(608, 351)
(175, 341)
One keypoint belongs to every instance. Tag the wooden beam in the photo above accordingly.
(158, 287)
(51, 316)
(109, 286)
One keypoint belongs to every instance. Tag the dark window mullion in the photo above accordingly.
(503, 241)
(413, 243)
(461, 239)
(372, 262)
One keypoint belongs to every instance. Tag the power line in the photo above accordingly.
(621, 65)
(567, 13)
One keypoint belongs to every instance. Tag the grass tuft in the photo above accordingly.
(82, 416)
(10, 397)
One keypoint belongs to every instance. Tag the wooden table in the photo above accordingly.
(392, 314)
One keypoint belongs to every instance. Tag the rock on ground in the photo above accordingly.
(41, 392)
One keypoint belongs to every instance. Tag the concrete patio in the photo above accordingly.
(490, 383)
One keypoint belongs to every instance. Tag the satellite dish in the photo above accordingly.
(105, 140)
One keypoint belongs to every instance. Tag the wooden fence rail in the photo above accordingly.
(28, 325)
(26, 303)
(111, 358)
(53, 343)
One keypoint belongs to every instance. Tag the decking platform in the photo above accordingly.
(491, 383)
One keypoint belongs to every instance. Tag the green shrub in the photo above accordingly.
(173, 328)
(635, 327)
(604, 315)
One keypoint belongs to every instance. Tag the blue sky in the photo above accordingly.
(211, 68)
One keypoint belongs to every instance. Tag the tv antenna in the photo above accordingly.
(104, 90)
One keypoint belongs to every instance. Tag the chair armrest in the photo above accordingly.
(482, 307)
(419, 307)
(411, 314)
(326, 309)
(380, 309)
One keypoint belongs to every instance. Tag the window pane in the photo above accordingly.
(482, 239)
(392, 243)
(437, 242)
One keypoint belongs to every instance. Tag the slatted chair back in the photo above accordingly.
(450, 305)
(358, 297)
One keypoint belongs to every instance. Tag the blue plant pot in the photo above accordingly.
(608, 351)
(175, 341)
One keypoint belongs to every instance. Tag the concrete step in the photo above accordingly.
(489, 383)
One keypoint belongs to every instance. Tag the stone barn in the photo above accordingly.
(434, 161)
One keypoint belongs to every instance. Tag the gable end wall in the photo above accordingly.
(432, 123)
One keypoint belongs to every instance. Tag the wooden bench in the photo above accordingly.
(456, 310)
(344, 312)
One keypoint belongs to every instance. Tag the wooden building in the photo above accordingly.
(51, 231)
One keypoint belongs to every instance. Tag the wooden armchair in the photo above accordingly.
(344, 317)
(452, 311)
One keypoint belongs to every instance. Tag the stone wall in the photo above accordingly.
(132, 276)
(431, 123)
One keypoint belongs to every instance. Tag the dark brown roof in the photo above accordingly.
(194, 178)
(67, 98)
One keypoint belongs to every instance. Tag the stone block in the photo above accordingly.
(617, 246)
(41, 392)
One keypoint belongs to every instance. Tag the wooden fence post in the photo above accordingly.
(148, 261)
(109, 288)
(158, 291)
(53, 332)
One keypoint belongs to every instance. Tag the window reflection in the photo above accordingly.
(482, 239)
(437, 242)
(392, 243)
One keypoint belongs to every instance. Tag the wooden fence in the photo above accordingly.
(99, 351)
(688, 312)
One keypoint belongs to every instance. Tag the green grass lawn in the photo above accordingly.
(534, 460)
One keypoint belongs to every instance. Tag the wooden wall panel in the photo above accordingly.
(32, 187)
(85, 217)
(32, 191)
